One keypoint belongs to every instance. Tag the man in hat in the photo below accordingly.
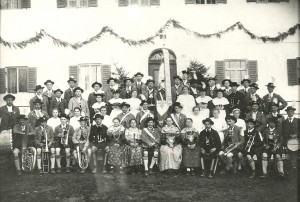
(150, 94)
(236, 99)
(142, 116)
(245, 88)
(97, 90)
(226, 83)
(185, 77)
(69, 93)
(212, 89)
(114, 104)
(78, 101)
(63, 141)
(22, 138)
(257, 115)
(8, 113)
(272, 97)
(125, 116)
(39, 96)
(49, 91)
(210, 145)
(44, 133)
(193, 87)
(57, 102)
(272, 147)
(176, 90)
(150, 141)
(178, 118)
(125, 93)
(81, 139)
(109, 91)
(138, 84)
(252, 96)
(233, 143)
(253, 145)
(98, 141)
(37, 113)
(274, 113)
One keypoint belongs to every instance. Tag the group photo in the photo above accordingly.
(195, 112)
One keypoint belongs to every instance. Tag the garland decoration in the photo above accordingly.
(59, 42)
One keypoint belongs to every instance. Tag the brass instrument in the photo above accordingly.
(230, 148)
(45, 155)
(28, 155)
(65, 138)
(250, 143)
(83, 160)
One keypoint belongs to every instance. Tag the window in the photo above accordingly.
(205, 1)
(293, 70)
(87, 74)
(267, 1)
(17, 79)
(76, 3)
(236, 70)
(139, 2)
(15, 4)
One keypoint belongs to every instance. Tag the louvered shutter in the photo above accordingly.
(61, 3)
(154, 2)
(73, 72)
(190, 1)
(93, 3)
(251, 0)
(105, 75)
(123, 2)
(220, 71)
(252, 70)
(25, 4)
(31, 79)
(292, 72)
(145, 2)
(222, 1)
(2, 81)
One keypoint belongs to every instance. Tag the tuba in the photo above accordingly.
(28, 155)
(45, 155)
(250, 143)
(83, 160)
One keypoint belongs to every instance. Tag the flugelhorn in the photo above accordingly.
(250, 143)
(230, 148)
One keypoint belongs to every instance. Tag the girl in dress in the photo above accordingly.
(134, 103)
(204, 111)
(133, 155)
(115, 139)
(220, 103)
(74, 121)
(191, 148)
(187, 101)
(54, 120)
(197, 119)
(170, 150)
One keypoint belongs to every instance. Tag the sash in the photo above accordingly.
(124, 117)
(145, 115)
(148, 132)
(176, 121)
(167, 76)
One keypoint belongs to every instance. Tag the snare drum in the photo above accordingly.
(293, 144)
(5, 142)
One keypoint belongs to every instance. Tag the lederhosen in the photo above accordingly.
(152, 149)
(271, 140)
(18, 139)
(69, 143)
(257, 146)
(228, 141)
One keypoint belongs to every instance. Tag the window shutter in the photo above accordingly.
(222, 1)
(123, 2)
(61, 3)
(31, 79)
(292, 72)
(190, 1)
(154, 2)
(145, 2)
(93, 3)
(25, 4)
(252, 70)
(73, 72)
(220, 72)
(105, 75)
(251, 0)
(2, 81)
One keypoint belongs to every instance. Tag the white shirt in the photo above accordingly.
(290, 118)
(271, 95)
(74, 122)
(9, 108)
(53, 122)
(254, 114)
(205, 99)
(40, 96)
(58, 99)
(212, 87)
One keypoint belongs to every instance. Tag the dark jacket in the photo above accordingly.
(235, 137)
(267, 101)
(290, 129)
(44, 106)
(60, 106)
(98, 133)
(40, 136)
(8, 119)
(23, 138)
(213, 139)
(236, 100)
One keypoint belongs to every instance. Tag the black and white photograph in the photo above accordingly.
(149, 100)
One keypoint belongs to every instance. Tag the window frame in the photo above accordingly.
(18, 79)
(236, 60)
(78, 4)
(86, 85)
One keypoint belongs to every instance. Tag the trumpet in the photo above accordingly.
(250, 143)
(28, 154)
(45, 155)
(65, 138)
(230, 148)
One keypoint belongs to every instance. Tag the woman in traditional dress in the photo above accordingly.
(187, 101)
(191, 148)
(74, 121)
(115, 139)
(134, 102)
(197, 119)
(133, 155)
(221, 103)
(170, 150)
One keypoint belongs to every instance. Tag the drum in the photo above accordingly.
(5, 142)
(293, 144)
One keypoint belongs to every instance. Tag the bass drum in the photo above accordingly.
(5, 142)
(293, 144)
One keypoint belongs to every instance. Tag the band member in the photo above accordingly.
(253, 145)
(226, 83)
(98, 141)
(125, 93)
(272, 147)
(245, 88)
(54, 120)
(187, 101)
(23, 137)
(193, 88)
(233, 143)
(112, 87)
(98, 104)
(8, 113)
(150, 95)
(142, 116)
(58, 102)
(63, 141)
(176, 90)
(81, 139)
(258, 116)
(178, 118)
(92, 96)
(212, 89)
(210, 145)
(252, 97)
(138, 84)
(78, 101)
(39, 96)
(273, 97)
(221, 103)
(275, 113)
(36, 113)
(49, 91)
(125, 116)
(150, 139)
(236, 98)
(69, 93)
(44, 133)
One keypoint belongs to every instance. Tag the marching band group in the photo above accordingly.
(205, 128)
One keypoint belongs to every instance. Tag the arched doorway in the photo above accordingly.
(154, 62)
